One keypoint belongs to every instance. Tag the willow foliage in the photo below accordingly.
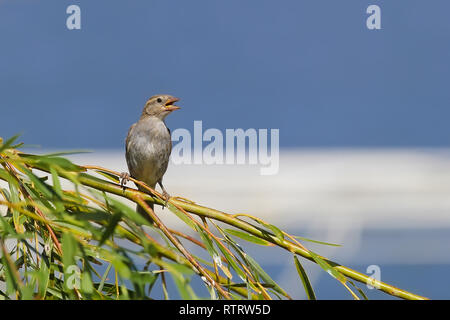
(83, 242)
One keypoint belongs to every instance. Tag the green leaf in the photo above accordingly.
(119, 261)
(277, 231)
(319, 242)
(26, 292)
(249, 289)
(56, 183)
(47, 161)
(232, 263)
(7, 228)
(227, 256)
(207, 241)
(56, 292)
(267, 279)
(71, 275)
(4, 175)
(43, 276)
(328, 268)
(14, 192)
(104, 277)
(115, 219)
(143, 277)
(69, 247)
(39, 185)
(12, 283)
(359, 290)
(127, 211)
(181, 215)
(7, 144)
(65, 153)
(305, 280)
(109, 176)
(248, 237)
(86, 283)
(177, 271)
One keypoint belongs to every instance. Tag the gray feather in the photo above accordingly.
(148, 148)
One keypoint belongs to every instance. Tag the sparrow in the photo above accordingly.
(148, 145)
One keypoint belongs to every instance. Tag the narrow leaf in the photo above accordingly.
(328, 268)
(109, 176)
(305, 280)
(248, 237)
(319, 242)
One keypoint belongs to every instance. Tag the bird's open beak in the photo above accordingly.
(170, 104)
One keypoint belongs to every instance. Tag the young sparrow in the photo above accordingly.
(148, 145)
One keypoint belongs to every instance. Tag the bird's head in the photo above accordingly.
(160, 106)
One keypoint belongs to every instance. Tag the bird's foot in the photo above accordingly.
(124, 178)
(166, 197)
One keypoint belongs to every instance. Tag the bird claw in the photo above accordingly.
(166, 197)
(124, 178)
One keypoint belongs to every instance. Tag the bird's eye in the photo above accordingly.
(159, 100)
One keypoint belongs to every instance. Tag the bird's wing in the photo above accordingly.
(170, 140)
(127, 140)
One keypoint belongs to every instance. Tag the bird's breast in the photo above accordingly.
(148, 151)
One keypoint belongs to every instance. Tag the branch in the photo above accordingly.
(136, 196)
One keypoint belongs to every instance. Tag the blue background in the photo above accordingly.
(310, 68)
